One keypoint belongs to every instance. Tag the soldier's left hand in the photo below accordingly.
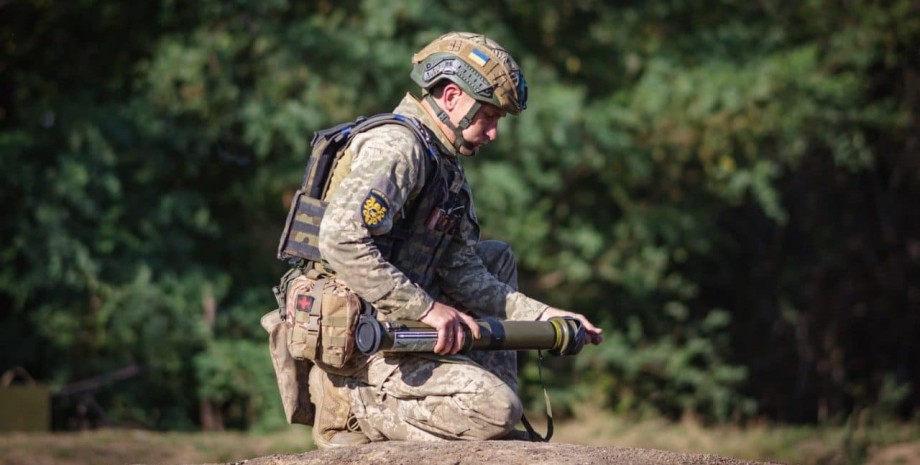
(593, 332)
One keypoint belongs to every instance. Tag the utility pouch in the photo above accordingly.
(292, 375)
(322, 315)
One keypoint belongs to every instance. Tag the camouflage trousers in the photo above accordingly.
(426, 397)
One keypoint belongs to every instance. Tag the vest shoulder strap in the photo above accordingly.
(300, 237)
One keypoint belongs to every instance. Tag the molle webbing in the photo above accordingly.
(300, 238)
(419, 257)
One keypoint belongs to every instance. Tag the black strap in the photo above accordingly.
(340, 135)
(534, 435)
(337, 138)
(402, 229)
(421, 133)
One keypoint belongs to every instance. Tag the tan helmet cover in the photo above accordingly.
(479, 65)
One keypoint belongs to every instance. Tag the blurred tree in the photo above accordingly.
(725, 185)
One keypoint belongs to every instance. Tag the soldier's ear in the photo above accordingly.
(451, 96)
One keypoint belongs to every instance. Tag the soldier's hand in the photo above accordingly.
(449, 322)
(593, 332)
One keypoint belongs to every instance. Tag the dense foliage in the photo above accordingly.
(724, 185)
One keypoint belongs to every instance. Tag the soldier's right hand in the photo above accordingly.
(449, 322)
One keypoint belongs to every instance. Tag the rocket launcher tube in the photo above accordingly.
(558, 335)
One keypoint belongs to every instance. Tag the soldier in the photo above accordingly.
(401, 232)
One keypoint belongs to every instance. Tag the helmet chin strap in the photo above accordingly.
(460, 144)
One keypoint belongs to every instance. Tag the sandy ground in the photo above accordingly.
(488, 453)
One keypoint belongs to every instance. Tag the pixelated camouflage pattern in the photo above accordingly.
(499, 262)
(414, 397)
(424, 398)
(417, 247)
(391, 161)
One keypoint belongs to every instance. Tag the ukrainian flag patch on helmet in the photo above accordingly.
(374, 209)
(478, 57)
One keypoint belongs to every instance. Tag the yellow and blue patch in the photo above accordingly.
(478, 56)
(374, 209)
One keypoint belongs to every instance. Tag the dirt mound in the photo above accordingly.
(488, 453)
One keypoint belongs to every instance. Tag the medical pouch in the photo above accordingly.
(322, 315)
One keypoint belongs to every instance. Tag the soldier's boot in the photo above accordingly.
(333, 425)
(517, 435)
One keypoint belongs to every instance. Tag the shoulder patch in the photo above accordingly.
(375, 209)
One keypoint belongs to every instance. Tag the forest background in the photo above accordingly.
(723, 185)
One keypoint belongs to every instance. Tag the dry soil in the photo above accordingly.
(489, 453)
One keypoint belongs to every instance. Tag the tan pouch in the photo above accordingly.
(292, 375)
(322, 314)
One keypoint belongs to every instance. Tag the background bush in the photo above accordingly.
(724, 185)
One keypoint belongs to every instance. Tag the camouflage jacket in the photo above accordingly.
(388, 172)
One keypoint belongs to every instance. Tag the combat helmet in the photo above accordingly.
(480, 66)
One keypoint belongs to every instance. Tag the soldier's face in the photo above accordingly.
(484, 128)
